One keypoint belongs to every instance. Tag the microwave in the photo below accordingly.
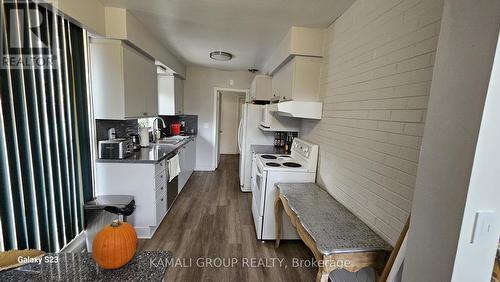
(272, 121)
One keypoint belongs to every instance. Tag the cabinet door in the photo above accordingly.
(179, 95)
(150, 85)
(192, 156)
(306, 79)
(182, 163)
(263, 88)
(107, 80)
(133, 74)
(166, 105)
(282, 83)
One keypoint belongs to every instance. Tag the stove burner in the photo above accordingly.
(269, 157)
(273, 164)
(289, 164)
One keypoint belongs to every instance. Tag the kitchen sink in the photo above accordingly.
(171, 140)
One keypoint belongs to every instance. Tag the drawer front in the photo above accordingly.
(161, 208)
(160, 167)
(161, 188)
(161, 177)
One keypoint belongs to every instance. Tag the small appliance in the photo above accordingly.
(175, 129)
(271, 121)
(136, 141)
(115, 149)
(144, 136)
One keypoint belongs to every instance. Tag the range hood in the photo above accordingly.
(298, 109)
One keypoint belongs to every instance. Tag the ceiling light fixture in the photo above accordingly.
(221, 56)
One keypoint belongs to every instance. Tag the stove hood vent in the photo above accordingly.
(298, 109)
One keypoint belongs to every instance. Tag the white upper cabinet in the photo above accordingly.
(123, 81)
(261, 88)
(298, 80)
(170, 95)
(299, 41)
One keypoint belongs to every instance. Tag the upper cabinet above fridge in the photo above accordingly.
(124, 83)
(261, 88)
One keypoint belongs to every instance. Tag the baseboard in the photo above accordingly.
(145, 232)
(77, 245)
(211, 168)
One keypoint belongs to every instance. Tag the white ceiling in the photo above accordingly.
(248, 29)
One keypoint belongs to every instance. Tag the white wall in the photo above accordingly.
(229, 122)
(90, 13)
(199, 100)
(375, 81)
(456, 178)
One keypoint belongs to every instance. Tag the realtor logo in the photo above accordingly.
(29, 35)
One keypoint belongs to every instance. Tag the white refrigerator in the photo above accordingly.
(250, 134)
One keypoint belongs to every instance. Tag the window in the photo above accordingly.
(45, 149)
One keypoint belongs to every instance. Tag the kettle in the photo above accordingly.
(136, 141)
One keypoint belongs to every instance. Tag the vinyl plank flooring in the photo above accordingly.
(211, 222)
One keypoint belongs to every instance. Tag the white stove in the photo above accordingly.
(268, 169)
(280, 163)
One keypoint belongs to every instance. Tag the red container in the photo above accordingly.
(175, 128)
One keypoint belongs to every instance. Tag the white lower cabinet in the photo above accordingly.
(187, 161)
(146, 182)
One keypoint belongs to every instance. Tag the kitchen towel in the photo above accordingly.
(173, 167)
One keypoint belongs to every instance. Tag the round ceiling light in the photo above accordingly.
(221, 56)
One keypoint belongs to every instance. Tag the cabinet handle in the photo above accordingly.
(162, 199)
(144, 114)
(161, 188)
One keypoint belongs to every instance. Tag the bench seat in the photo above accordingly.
(329, 229)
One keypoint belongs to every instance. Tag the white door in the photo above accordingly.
(229, 122)
(218, 126)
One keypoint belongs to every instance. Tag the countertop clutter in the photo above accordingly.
(152, 154)
(145, 266)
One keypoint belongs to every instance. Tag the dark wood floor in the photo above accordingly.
(212, 219)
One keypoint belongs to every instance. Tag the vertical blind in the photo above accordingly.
(45, 151)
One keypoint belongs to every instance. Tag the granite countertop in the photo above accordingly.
(145, 266)
(331, 225)
(268, 149)
(152, 154)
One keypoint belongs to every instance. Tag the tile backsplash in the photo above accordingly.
(190, 124)
(123, 128)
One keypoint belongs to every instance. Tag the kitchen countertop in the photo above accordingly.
(152, 154)
(268, 149)
(331, 225)
(145, 266)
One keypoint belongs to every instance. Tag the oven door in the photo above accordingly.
(259, 187)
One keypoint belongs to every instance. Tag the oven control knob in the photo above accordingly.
(306, 149)
(307, 155)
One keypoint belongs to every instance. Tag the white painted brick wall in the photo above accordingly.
(378, 64)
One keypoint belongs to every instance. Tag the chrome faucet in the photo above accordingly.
(157, 131)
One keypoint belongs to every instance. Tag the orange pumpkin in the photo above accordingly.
(114, 245)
